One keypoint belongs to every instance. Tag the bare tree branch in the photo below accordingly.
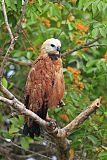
(7, 147)
(81, 117)
(21, 108)
(6, 20)
(13, 38)
(14, 102)
(97, 45)
(11, 48)
(56, 134)
(85, 45)
(64, 132)
(26, 64)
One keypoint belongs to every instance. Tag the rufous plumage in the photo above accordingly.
(45, 84)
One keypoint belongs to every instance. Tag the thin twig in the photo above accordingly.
(85, 45)
(30, 42)
(97, 45)
(13, 38)
(10, 49)
(22, 16)
(6, 19)
(26, 64)
(11, 143)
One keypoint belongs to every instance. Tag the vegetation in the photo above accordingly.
(81, 25)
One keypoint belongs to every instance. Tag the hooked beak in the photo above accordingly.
(58, 49)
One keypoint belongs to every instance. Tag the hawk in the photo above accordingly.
(45, 85)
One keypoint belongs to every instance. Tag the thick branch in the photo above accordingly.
(85, 45)
(56, 134)
(15, 103)
(22, 109)
(81, 117)
(5, 92)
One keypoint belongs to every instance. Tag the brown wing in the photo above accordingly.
(59, 85)
(39, 85)
(44, 88)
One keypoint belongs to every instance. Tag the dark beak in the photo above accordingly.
(58, 49)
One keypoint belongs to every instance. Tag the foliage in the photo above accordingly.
(74, 22)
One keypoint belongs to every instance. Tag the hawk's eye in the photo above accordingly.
(52, 45)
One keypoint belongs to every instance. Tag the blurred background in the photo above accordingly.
(73, 22)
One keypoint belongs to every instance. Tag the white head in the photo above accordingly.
(51, 46)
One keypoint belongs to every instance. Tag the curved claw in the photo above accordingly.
(52, 124)
(61, 104)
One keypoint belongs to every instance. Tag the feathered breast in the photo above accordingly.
(45, 83)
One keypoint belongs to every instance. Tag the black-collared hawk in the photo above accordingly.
(45, 85)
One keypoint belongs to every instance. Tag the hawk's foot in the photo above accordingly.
(52, 123)
(61, 104)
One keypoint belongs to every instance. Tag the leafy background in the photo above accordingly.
(74, 22)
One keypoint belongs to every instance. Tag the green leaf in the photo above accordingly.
(24, 143)
(13, 129)
(103, 32)
(81, 4)
(40, 2)
(70, 26)
(85, 57)
(94, 9)
(8, 3)
(29, 55)
(57, 110)
(13, 5)
(104, 147)
(93, 139)
(55, 30)
(4, 82)
(46, 7)
(17, 122)
(19, 5)
(95, 32)
(103, 154)
(91, 63)
(100, 6)
(87, 5)
(54, 11)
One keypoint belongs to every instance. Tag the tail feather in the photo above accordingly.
(33, 129)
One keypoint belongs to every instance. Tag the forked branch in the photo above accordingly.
(13, 38)
(89, 44)
(11, 100)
